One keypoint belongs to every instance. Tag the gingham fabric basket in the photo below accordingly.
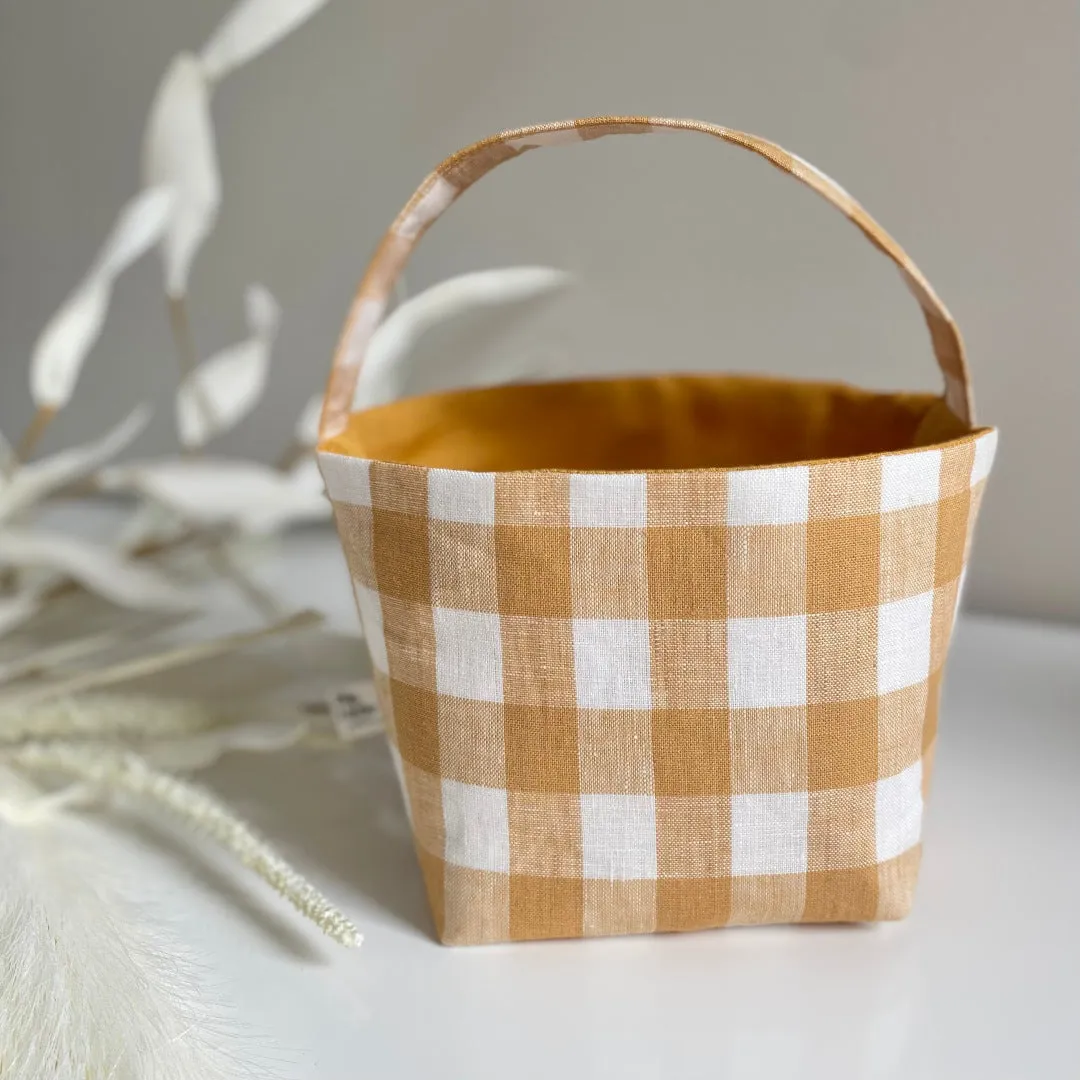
(655, 653)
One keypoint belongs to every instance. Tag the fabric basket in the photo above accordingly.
(655, 653)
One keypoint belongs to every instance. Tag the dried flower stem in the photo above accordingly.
(197, 807)
(151, 665)
(10, 460)
(29, 806)
(51, 655)
(109, 716)
(260, 599)
(32, 435)
(180, 325)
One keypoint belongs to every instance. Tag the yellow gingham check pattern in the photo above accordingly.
(633, 702)
(661, 701)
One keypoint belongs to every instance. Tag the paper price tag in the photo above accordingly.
(353, 710)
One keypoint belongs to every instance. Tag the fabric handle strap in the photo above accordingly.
(461, 170)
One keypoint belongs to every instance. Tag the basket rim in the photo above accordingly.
(324, 445)
(971, 436)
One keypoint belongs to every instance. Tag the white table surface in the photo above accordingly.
(983, 980)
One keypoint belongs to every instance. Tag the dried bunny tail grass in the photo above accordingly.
(126, 772)
(94, 986)
(106, 716)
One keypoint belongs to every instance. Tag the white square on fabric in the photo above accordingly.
(898, 812)
(984, 457)
(910, 480)
(347, 479)
(461, 496)
(904, 642)
(439, 195)
(369, 607)
(611, 663)
(767, 661)
(768, 496)
(618, 837)
(768, 833)
(468, 654)
(617, 500)
(477, 825)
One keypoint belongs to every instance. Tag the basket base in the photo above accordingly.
(472, 907)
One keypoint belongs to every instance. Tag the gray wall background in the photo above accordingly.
(954, 121)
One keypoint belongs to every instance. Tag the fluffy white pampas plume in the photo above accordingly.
(93, 987)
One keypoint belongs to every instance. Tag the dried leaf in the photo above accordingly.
(383, 375)
(306, 432)
(217, 492)
(179, 151)
(252, 27)
(17, 609)
(129, 584)
(34, 481)
(70, 334)
(224, 389)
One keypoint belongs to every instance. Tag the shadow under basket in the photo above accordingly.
(655, 653)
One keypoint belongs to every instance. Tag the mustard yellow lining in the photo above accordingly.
(639, 423)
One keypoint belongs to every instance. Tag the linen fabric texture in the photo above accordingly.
(623, 703)
(657, 699)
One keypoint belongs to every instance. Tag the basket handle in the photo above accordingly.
(463, 169)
